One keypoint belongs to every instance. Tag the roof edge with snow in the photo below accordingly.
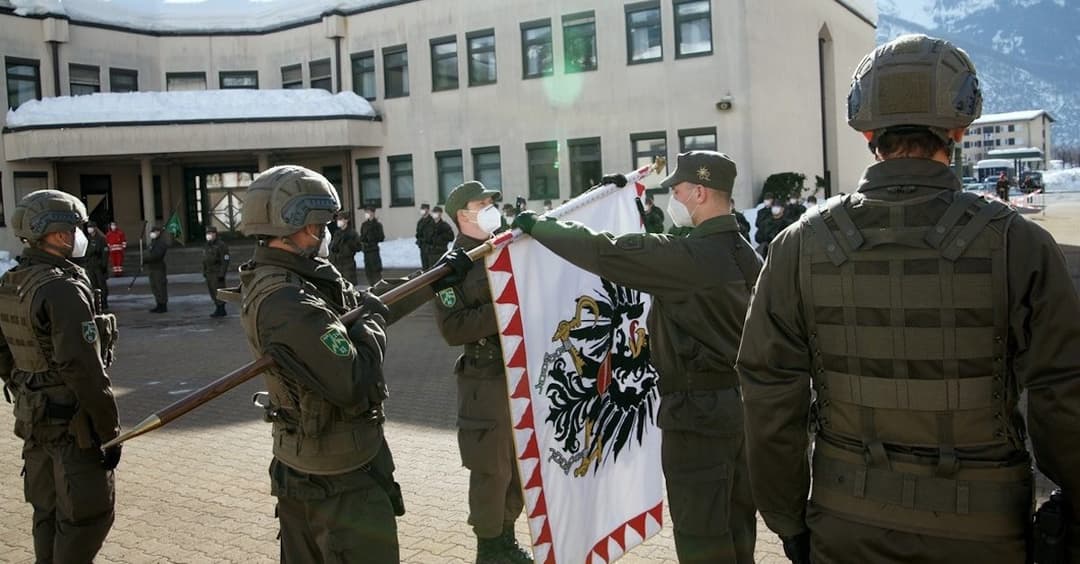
(1019, 115)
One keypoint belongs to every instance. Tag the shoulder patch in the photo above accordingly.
(632, 242)
(448, 297)
(336, 342)
(89, 331)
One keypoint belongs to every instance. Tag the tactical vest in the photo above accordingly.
(310, 434)
(908, 329)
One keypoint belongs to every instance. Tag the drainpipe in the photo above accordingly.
(55, 32)
(335, 29)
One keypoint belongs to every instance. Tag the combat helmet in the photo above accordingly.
(915, 81)
(283, 199)
(46, 211)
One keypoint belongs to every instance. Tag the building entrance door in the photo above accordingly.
(216, 197)
(96, 193)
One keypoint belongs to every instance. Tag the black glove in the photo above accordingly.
(373, 305)
(525, 221)
(797, 548)
(459, 262)
(616, 179)
(110, 457)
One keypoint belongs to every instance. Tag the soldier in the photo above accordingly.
(762, 214)
(55, 345)
(344, 245)
(918, 313)
(694, 329)
(1002, 187)
(215, 266)
(332, 471)
(371, 234)
(794, 209)
(654, 218)
(770, 227)
(425, 230)
(154, 261)
(117, 243)
(97, 262)
(442, 235)
(465, 315)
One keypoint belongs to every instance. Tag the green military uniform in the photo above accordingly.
(768, 228)
(343, 248)
(332, 471)
(156, 270)
(425, 232)
(917, 313)
(441, 236)
(54, 348)
(654, 220)
(680, 230)
(371, 234)
(97, 265)
(700, 285)
(214, 267)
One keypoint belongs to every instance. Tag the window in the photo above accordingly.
(180, 81)
(482, 57)
(450, 170)
(367, 171)
(29, 181)
(543, 160)
(444, 67)
(997, 129)
(1011, 141)
(537, 57)
(321, 75)
(401, 180)
(1012, 128)
(292, 76)
(644, 38)
(396, 72)
(333, 175)
(487, 166)
(978, 143)
(123, 80)
(83, 79)
(579, 42)
(697, 139)
(23, 81)
(693, 28)
(646, 148)
(238, 79)
(585, 168)
(363, 74)
(967, 144)
(997, 142)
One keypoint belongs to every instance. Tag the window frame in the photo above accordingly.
(192, 74)
(389, 51)
(480, 34)
(16, 175)
(692, 132)
(440, 171)
(328, 76)
(478, 170)
(8, 77)
(635, 154)
(292, 84)
(571, 145)
(222, 75)
(529, 26)
(361, 176)
(642, 7)
(435, 59)
(115, 72)
(96, 70)
(678, 29)
(364, 55)
(542, 145)
(569, 23)
(395, 201)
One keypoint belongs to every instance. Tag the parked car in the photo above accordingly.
(1035, 183)
(971, 183)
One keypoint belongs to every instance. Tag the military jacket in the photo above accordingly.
(54, 347)
(371, 234)
(441, 237)
(343, 247)
(425, 231)
(97, 253)
(940, 309)
(155, 255)
(215, 259)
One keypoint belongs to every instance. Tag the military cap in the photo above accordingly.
(436, 209)
(463, 194)
(707, 168)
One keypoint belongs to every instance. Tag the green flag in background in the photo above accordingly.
(174, 228)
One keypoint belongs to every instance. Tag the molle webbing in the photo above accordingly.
(30, 353)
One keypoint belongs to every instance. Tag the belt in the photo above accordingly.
(487, 348)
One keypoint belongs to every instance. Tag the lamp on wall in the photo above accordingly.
(725, 103)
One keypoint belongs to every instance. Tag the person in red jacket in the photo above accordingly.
(117, 243)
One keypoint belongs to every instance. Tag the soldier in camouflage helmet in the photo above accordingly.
(55, 345)
(918, 313)
(332, 471)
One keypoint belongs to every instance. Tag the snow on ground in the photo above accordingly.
(397, 253)
(1062, 180)
(110, 107)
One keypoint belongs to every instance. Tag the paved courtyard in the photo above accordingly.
(197, 491)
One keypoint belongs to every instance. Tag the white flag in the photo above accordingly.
(583, 394)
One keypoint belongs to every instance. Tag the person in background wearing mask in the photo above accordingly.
(425, 232)
(371, 234)
(96, 262)
(654, 218)
(811, 202)
(54, 348)
(156, 270)
(744, 226)
(771, 226)
(117, 243)
(215, 266)
(547, 206)
(794, 208)
(694, 331)
(442, 236)
(465, 315)
(763, 213)
(509, 213)
(344, 244)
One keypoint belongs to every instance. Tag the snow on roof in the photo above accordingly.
(202, 105)
(192, 15)
(1024, 115)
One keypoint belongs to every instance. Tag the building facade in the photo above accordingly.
(994, 135)
(536, 98)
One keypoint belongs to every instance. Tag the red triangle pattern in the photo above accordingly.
(501, 263)
(541, 504)
(638, 524)
(550, 557)
(545, 536)
(522, 391)
(601, 549)
(658, 513)
(531, 450)
(514, 329)
(640, 188)
(619, 536)
(535, 481)
(526, 418)
(509, 295)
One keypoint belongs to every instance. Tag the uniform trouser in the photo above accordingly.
(341, 519)
(213, 284)
(495, 498)
(372, 267)
(100, 281)
(72, 496)
(834, 540)
(159, 286)
(708, 488)
(432, 258)
(116, 258)
(425, 259)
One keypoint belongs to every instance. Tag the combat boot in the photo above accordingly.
(219, 312)
(512, 551)
(490, 551)
(159, 309)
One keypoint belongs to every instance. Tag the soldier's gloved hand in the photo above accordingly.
(373, 305)
(616, 179)
(797, 548)
(459, 262)
(525, 221)
(110, 457)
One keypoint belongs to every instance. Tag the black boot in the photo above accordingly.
(160, 308)
(490, 551)
(219, 312)
(512, 551)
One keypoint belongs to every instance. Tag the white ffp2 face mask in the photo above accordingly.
(78, 248)
(324, 245)
(489, 219)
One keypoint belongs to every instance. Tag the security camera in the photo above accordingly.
(724, 104)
